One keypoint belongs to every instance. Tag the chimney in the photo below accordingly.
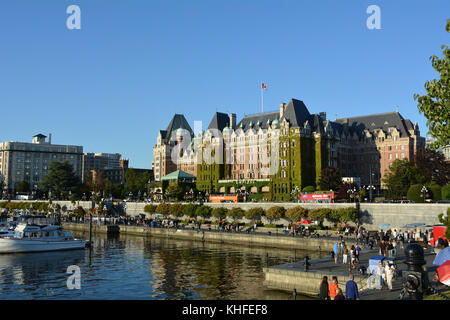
(232, 120)
(49, 138)
(282, 109)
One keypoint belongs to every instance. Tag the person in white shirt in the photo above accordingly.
(389, 272)
(380, 274)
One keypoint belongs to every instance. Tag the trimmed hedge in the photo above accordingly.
(445, 192)
(414, 193)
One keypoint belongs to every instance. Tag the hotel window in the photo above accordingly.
(402, 155)
(390, 156)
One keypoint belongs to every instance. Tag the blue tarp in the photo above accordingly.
(373, 263)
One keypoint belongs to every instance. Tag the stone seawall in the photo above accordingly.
(272, 241)
(292, 276)
(372, 214)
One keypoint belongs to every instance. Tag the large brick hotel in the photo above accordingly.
(231, 155)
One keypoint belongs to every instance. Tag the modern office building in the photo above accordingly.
(99, 161)
(30, 162)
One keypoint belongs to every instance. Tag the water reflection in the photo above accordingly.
(131, 267)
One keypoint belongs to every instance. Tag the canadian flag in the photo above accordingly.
(263, 86)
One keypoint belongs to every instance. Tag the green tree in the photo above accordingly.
(203, 211)
(175, 191)
(23, 187)
(433, 166)
(362, 194)
(330, 179)
(435, 104)
(254, 213)
(150, 208)
(236, 213)
(220, 212)
(176, 210)
(400, 176)
(79, 212)
(415, 194)
(434, 191)
(189, 210)
(309, 189)
(163, 208)
(275, 213)
(319, 214)
(296, 213)
(445, 192)
(60, 179)
(348, 214)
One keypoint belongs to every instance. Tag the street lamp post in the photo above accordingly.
(370, 188)
(352, 192)
(295, 192)
(424, 190)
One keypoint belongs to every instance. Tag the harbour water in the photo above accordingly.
(151, 268)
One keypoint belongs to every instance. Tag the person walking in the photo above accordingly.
(380, 274)
(432, 243)
(333, 287)
(389, 272)
(383, 248)
(353, 256)
(336, 252)
(339, 295)
(351, 289)
(323, 291)
(345, 255)
(358, 251)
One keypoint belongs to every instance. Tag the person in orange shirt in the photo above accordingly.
(333, 288)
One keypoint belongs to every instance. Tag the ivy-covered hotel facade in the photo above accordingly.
(272, 155)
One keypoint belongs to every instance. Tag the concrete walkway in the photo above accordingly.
(327, 266)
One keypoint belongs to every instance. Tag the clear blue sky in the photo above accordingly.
(113, 84)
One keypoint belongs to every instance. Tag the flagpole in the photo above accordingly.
(262, 98)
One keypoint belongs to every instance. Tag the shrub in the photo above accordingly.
(445, 192)
(414, 193)
(319, 214)
(435, 191)
(176, 210)
(309, 189)
(255, 213)
(275, 213)
(189, 210)
(203, 211)
(348, 214)
(150, 208)
(79, 212)
(163, 208)
(236, 213)
(296, 213)
(220, 212)
(273, 226)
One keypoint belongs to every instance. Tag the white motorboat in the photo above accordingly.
(34, 238)
(6, 230)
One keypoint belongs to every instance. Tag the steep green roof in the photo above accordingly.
(178, 175)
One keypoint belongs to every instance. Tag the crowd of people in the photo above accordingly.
(332, 291)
